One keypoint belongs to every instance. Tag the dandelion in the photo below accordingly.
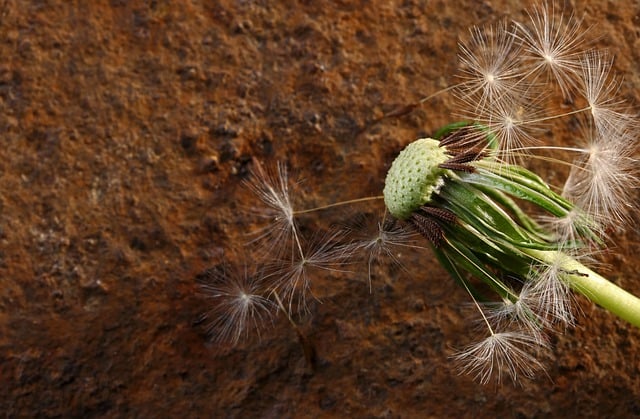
(500, 230)
(471, 216)
(469, 171)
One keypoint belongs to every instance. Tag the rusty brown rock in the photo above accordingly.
(127, 128)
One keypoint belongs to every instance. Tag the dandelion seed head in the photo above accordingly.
(413, 177)
(463, 194)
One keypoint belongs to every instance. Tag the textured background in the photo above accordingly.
(127, 128)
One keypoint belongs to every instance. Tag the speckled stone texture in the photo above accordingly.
(127, 128)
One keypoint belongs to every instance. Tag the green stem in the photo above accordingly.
(593, 286)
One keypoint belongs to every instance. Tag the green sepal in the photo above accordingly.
(520, 183)
(453, 267)
(468, 260)
(490, 219)
(520, 216)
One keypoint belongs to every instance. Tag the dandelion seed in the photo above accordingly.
(499, 354)
(575, 231)
(600, 90)
(515, 124)
(602, 179)
(554, 45)
(291, 279)
(489, 67)
(273, 191)
(389, 236)
(550, 295)
(238, 305)
(518, 314)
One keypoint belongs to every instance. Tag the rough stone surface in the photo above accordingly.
(127, 128)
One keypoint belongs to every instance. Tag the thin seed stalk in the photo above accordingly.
(594, 286)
